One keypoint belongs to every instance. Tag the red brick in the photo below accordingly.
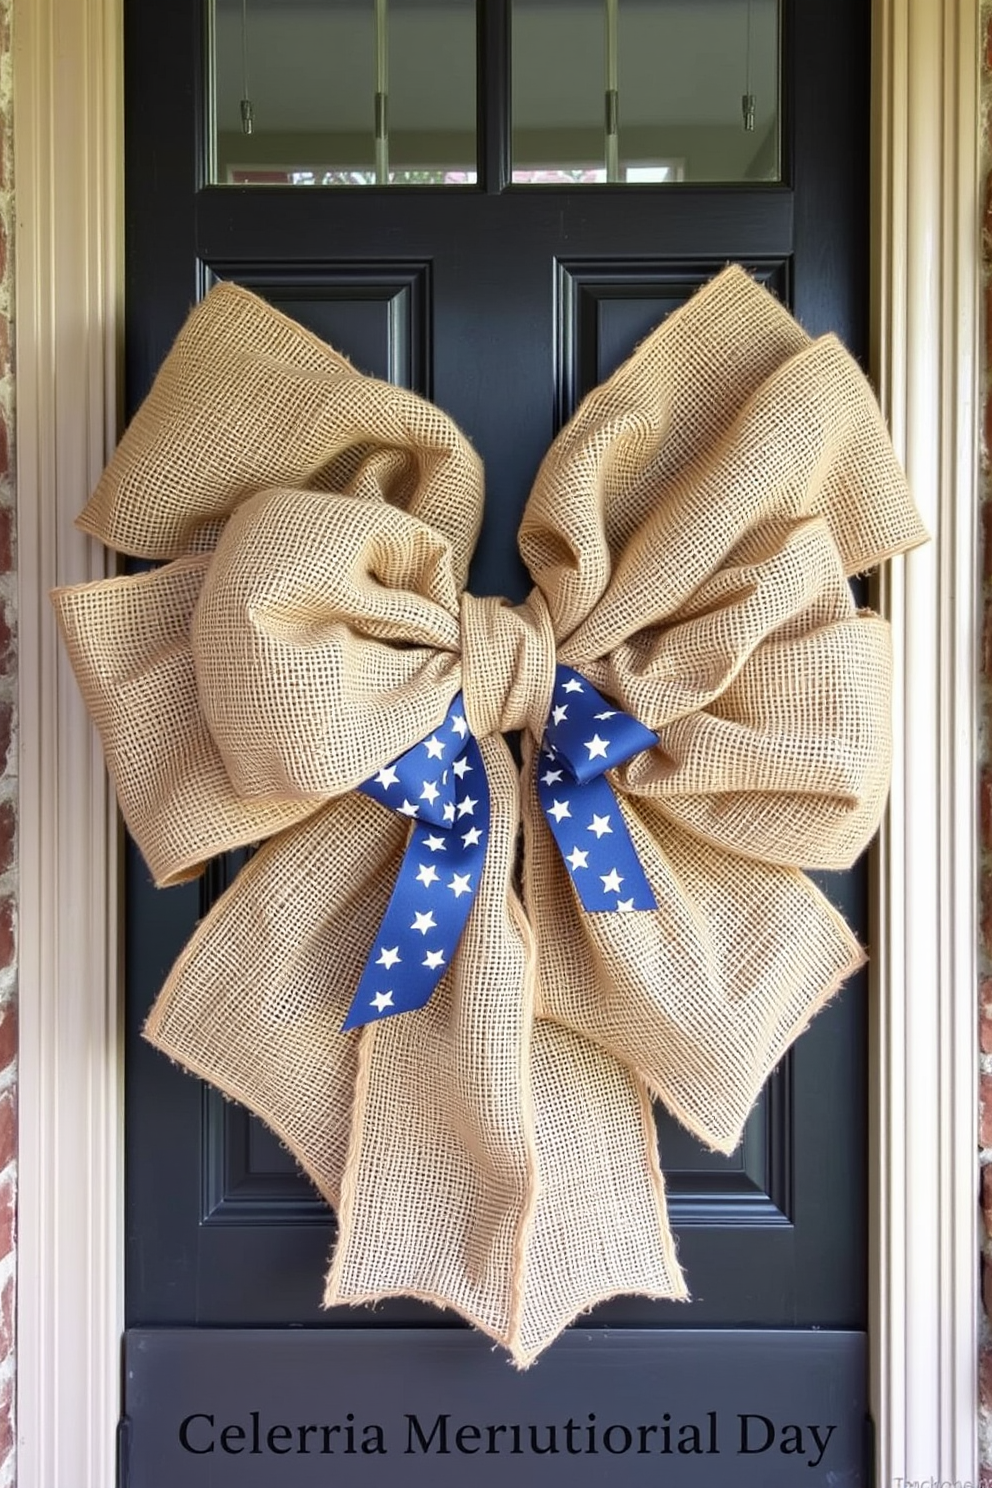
(6, 728)
(8, 1128)
(985, 1029)
(8, 653)
(985, 1110)
(985, 806)
(8, 1034)
(985, 1375)
(8, 836)
(988, 45)
(8, 1215)
(985, 891)
(987, 642)
(6, 515)
(7, 934)
(984, 1015)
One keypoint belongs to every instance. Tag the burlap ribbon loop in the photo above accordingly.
(316, 613)
(690, 535)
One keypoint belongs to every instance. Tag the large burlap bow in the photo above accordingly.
(690, 535)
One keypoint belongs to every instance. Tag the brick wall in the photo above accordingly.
(8, 776)
(985, 792)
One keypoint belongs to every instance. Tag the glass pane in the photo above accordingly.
(645, 91)
(344, 92)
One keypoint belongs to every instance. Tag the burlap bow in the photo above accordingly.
(690, 535)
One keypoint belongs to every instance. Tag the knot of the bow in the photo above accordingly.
(508, 664)
(440, 786)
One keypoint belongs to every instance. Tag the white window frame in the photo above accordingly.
(924, 1242)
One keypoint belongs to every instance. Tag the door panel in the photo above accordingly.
(380, 311)
(222, 1230)
(617, 1407)
(505, 306)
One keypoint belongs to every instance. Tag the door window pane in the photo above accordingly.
(344, 92)
(644, 91)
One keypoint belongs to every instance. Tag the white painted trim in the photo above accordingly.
(926, 319)
(67, 137)
(924, 1249)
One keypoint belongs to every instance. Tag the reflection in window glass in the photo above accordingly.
(645, 91)
(344, 92)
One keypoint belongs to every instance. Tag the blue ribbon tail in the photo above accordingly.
(440, 785)
(584, 738)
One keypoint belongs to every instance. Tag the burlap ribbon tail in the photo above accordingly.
(690, 536)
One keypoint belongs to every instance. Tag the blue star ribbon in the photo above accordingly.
(584, 738)
(440, 785)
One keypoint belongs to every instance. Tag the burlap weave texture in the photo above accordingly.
(690, 535)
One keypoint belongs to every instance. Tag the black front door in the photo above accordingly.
(504, 300)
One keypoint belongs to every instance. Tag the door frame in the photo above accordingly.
(923, 1058)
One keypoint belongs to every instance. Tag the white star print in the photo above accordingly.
(610, 713)
(471, 837)
(599, 825)
(625, 903)
(387, 776)
(577, 859)
(382, 1000)
(597, 747)
(560, 713)
(551, 777)
(436, 844)
(466, 807)
(434, 747)
(424, 922)
(430, 791)
(408, 808)
(388, 958)
(459, 725)
(611, 882)
(427, 874)
(573, 685)
(462, 768)
(559, 809)
(433, 960)
(460, 884)
(449, 811)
